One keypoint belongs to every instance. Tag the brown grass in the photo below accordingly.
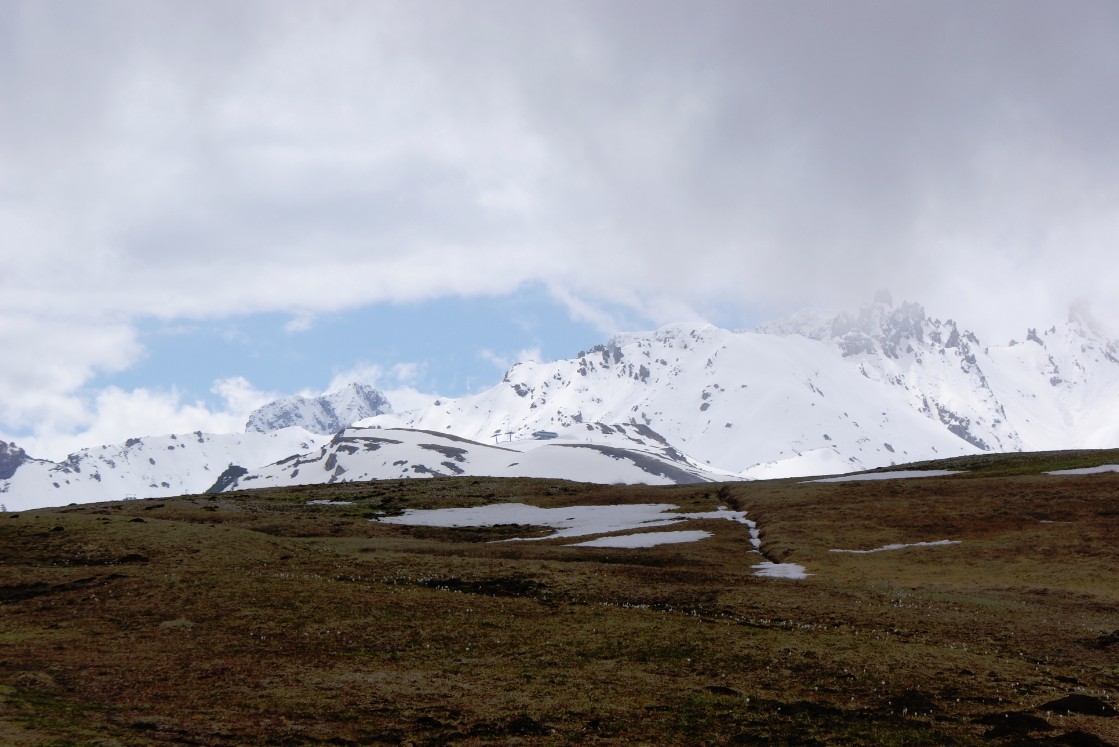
(253, 618)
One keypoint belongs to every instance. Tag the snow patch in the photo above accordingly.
(886, 548)
(1087, 470)
(573, 521)
(780, 570)
(898, 475)
(646, 539)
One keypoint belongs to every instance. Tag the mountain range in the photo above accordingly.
(806, 395)
(812, 394)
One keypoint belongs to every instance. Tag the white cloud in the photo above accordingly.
(374, 374)
(240, 397)
(403, 399)
(47, 359)
(115, 415)
(503, 361)
(185, 161)
(399, 382)
(301, 322)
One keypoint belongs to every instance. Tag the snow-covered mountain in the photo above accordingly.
(590, 453)
(154, 466)
(323, 415)
(807, 395)
(813, 394)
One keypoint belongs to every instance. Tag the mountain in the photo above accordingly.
(589, 453)
(324, 415)
(813, 394)
(155, 466)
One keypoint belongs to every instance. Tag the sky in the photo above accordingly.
(204, 205)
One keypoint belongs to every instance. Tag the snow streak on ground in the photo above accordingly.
(780, 570)
(573, 521)
(886, 548)
(646, 539)
(899, 474)
(577, 521)
(1087, 470)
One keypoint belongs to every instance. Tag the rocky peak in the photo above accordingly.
(325, 414)
(11, 458)
(880, 326)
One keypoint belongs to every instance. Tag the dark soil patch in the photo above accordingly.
(1078, 703)
(1073, 739)
(22, 592)
(914, 701)
(1014, 723)
(723, 690)
(490, 587)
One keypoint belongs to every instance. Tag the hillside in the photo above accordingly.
(589, 453)
(977, 608)
(153, 466)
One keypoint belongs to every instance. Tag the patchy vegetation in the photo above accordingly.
(255, 618)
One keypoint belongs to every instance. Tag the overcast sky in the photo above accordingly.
(203, 204)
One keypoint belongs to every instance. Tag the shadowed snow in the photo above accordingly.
(1087, 470)
(886, 548)
(573, 521)
(899, 474)
(647, 539)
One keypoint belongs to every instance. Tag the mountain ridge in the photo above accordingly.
(809, 394)
(896, 385)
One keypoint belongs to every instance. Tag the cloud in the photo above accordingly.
(503, 361)
(115, 415)
(400, 383)
(48, 358)
(185, 161)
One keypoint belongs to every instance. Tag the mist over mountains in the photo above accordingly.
(805, 395)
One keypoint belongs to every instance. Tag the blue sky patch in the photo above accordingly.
(445, 337)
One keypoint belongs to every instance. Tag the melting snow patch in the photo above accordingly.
(890, 475)
(573, 521)
(779, 570)
(648, 539)
(1087, 470)
(884, 548)
(330, 503)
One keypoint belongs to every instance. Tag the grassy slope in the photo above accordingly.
(254, 618)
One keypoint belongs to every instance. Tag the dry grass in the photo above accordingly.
(254, 618)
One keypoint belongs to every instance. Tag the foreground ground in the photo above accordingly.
(258, 618)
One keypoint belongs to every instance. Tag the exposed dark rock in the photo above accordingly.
(11, 458)
(227, 478)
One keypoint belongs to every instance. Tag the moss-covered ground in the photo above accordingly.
(255, 618)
